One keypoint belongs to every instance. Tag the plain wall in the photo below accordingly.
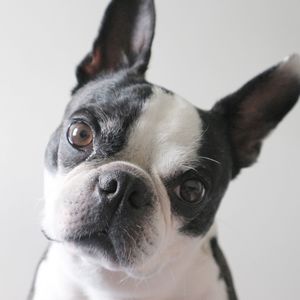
(203, 50)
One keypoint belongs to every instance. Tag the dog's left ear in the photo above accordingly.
(255, 109)
(124, 40)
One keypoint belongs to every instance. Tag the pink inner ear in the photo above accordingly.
(94, 66)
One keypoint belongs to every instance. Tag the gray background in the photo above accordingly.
(202, 50)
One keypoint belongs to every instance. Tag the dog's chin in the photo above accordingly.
(139, 269)
(93, 255)
(95, 245)
(99, 249)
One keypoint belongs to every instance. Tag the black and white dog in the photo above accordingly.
(135, 174)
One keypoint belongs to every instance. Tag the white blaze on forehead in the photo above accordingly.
(167, 135)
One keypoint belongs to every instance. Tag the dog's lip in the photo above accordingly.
(89, 237)
(49, 238)
(98, 241)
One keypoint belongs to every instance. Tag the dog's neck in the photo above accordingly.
(195, 274)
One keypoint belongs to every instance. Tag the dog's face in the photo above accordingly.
(134, 173)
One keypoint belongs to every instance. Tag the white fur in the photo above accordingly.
(166, 136)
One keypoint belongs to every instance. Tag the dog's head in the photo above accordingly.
(134, 173)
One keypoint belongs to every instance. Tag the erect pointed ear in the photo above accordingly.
(124, 40)
(255, 109)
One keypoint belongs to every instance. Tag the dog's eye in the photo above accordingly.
(191, 190)
(80, 135)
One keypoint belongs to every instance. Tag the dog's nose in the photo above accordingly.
(121, 186)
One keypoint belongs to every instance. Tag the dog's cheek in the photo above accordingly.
(53, 184)
(66, 201)
(51, 153)
(148, 257)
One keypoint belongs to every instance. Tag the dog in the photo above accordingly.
(134, 174)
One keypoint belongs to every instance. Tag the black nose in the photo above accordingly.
(124, 187)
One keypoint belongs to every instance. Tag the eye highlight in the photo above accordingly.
(191, 191)
(80, 134)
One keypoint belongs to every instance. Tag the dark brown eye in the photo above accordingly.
(191, 190)
(80, 135)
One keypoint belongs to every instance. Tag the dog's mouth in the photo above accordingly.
(80, 239)
(89, 237)
(95, 242)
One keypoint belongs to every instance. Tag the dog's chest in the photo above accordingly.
(203, 285)
(201, 281)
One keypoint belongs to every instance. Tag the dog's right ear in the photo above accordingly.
(124, 40)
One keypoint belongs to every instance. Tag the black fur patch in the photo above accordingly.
(214, 170)
(51, 152)
(224, 269)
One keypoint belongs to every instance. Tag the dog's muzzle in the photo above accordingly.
(107, 208)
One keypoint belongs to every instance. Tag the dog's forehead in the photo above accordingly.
(139, 122)
(118, 95)
(166, 136)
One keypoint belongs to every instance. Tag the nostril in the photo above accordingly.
(108, 186)
(119, 186)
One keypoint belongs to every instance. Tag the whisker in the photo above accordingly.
(204, 131)
(124, 279)
(211, 159)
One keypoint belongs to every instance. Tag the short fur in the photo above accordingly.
(143, 239)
